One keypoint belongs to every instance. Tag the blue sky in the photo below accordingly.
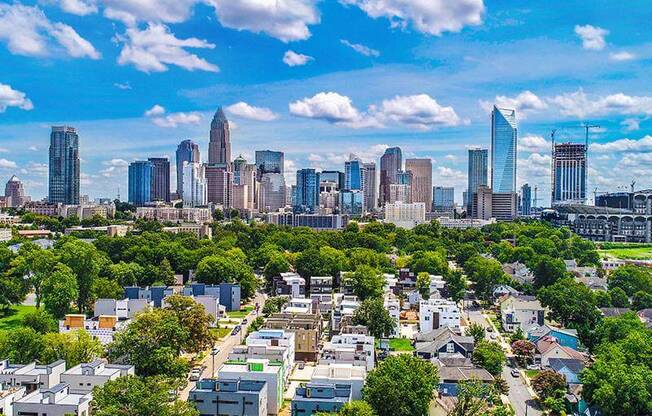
(321, 79)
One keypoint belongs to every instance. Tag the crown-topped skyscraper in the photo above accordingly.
(219, 147)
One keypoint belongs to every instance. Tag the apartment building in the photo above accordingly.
(307, 329)
(437, 313)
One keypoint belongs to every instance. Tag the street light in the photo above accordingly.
(214, 352)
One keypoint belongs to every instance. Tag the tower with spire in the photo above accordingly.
(219, 146)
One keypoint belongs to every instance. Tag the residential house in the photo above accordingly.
(645, 315)
(345, 306)
(299, 305)
(211, 304)
(7, 398)
(155, 294)
(500, 291)
(321, 284)
(307, 329)
(213, 397)
(228, 294)
(456, 369)
(441, 342)
(356, 349)
(275, 345)
(31, 376)
(83, 377)
(347, 374)
(289, 283)
(614, 312)
(565, 337)
(53, 401)
(258, 371)
(548, 347)
(324, 302)
(122, 308)
(437, 313)
(393, 306)
(522, 312)
(312, 398)
(519, 272)
(102, 327)
(570, 368)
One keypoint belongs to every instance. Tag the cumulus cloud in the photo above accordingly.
(161, 118)
(622, 56)
(287, 20)
(27, 31)
(250, 112)
(154, 48)
(78, 7)
(643, 144)
(452, 174)
(10, 97)
(117, 162)
(593, 37)
(433, 17)
(132, 11)
(122, 85)
(332, 107)
(631, 124)
(535, 165)
(360, 48)
(524, 103)
(7, 164)
(418, 111)
(292, 58)
(534, 143)
(579, 104)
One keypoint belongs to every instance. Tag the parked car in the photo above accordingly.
(489, 329)
(534, 367)
(245, 321)
(515, 373)
(195, 374)
(235, 330)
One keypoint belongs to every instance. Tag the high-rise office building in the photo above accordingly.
(526, 199)
(187, 151)
(477, 173)
(269, 161)
(244, 174)
(306, 192)
(219, 184)
(195, 190)
(391, 164)
(353, 173)
(351, 202)
(63, 180)
(421, 187)
(219, 146)
(369, 187)
(14, 192)
(272, 192)
(503, 150)
(399, 192)
(140, 182)
(569, 173)
(443, 198)
(160, 179)
(334, 176)
(482, 203)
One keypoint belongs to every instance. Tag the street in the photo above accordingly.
(211, 366)
(519, 395)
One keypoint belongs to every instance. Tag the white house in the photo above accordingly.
(393, 306)
(356, 349)
(268, 344)
(348, 374)
(523, 312)
(103, 327)
(298, 305)
(271, 373)
(345, 306)
(123, 308)
(54, 401)
(437, 313)
(31, 376)
(7, 398)
(83, 377)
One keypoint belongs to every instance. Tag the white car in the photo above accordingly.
(195, 374)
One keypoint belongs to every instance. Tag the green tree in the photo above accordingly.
(476, 331)
(490, 356)
(619, 298)
(131, 396)
(423, 285)
(456, 285)
(356, 408)
(194, 319)
(366, 282)
(523, 350)
(60, 290)
(401, 385)
(431, 262)
(642, 300)
(84, 261)
(221, 269)
(276, 265)
(548, 383)
(107, 289)
(373, 314)
(40, 321)
(631, 279)
(475, 399)
(611, 330)
(126, 274)
(74, 347)
(21, 345)
(548, 270)
(570, 303)
(602, 299)
(165, 272)
(274, 304)
(485, 274)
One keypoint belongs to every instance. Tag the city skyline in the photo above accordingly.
(125, 110)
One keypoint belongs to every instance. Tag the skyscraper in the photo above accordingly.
(353, 173)
(369, 186)
(443, 198)
(272, 192)
(187, 151)
(219, 146)
(569, 173)
(140, 182)
(14, 192)
(195, 190)
(63, 180)
(351, 202)
(306, 193)
(421, 187)
(244, 174)
(219, 184)
(526, 199)
(269, 161)
(333, 176)
(390, 164)
(477, 174)
(503, 150)
(160, 179)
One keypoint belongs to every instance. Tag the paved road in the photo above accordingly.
(519, 394)
(225, 349)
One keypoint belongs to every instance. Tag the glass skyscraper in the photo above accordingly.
(352, 202)
(503, 150)
(268, 161)
(477, 173)
(391, 164)
(353, 174)
(526, 199)
(333, 176)
(140, 182)
(443, 198)
(306, 192)
(187, 151)
(160, 179)
(569, 173)
(63, 178)
(219, 146)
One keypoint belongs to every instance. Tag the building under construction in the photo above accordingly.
(569, 173)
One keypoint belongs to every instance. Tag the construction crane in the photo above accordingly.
(587, 127)
(632, 185)
(535, 201)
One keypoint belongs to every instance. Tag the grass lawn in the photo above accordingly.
(241, 313)
(632, 253)
(221, 332)
(531, 373)
(400, 344)
(15, 316)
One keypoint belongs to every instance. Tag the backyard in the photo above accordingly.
(14, 317)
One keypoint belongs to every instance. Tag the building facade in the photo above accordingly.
(526, 199)
(353, 174)
(306, 192)
(269, 161)
(443, 198)
(272, 192)
(141, 173)
(477, 173)
(160, 179)
(503, 150)
(63, 171)
(195, 190)
(219, 183)
(391, 162)
(569, 173)
(14, 192)
(369, 186)
(421, 186)
(188, 152)
(219, 145)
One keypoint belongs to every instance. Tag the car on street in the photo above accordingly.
(515, 373)
(245, 321)
(235, 330)
(489, 329)
(534, 367)
(195, 374)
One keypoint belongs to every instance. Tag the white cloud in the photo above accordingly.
(153, 49)
(247, 111)
(524, 103)
(160, 118)
(643, 144)
(535, 166)
(117, 162)
(10, 97)
(329, 106)
(534, 144)
(313, 157)
(631, 124)
(27, 31)
(7, 164)
(132, 11)
(592, 37)
(78, 7)
(122, 85)
(287, 20)
(292, 58)
(428, 16)
(361, 49)
(451, 174)
(579, 104)
(622, 56)
(418, 111)
(33, 148)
